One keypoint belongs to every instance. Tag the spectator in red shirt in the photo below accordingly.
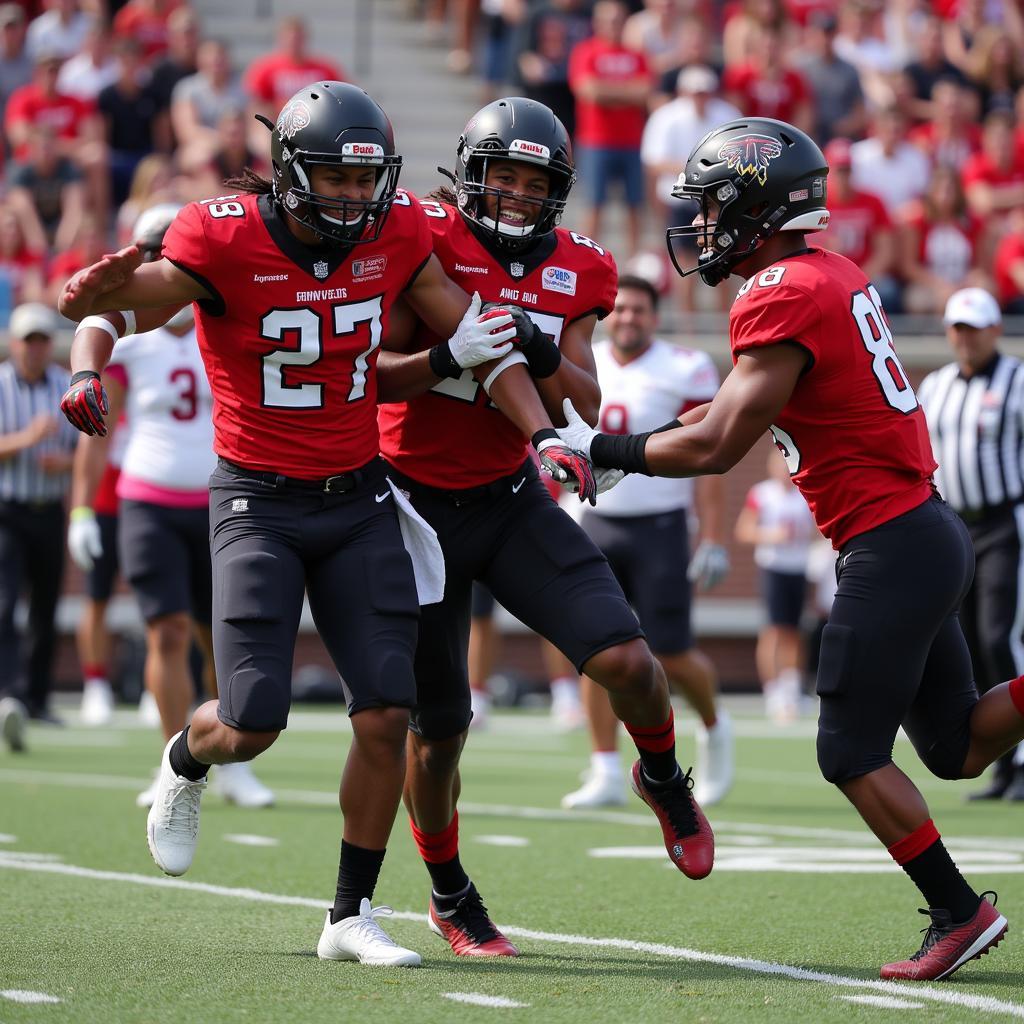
(994, 178)
(611, 84)
(938, 244)
(146, 22)
(74, 123)
(1009, 266)
(860, 228)
(765, 87)
(950, 137)
(273, 79)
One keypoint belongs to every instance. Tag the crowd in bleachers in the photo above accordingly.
(917, 101)
(109, 107)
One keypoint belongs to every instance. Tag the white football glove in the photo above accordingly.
(605, 479)
(479, 338)
(709, 565)
(84, 540)
(576, 433)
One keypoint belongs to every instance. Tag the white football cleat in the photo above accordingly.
(97, 703)
(480, 703)
(715, 765)
(172, 828)
(12, 724)
(362, 938)
(237, 784)
(148, 795)
(149, 712)
(566, 708)
(600, 790)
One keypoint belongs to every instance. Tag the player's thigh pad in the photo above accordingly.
(154, 559)
(363, 599)
(898, 584)
(552, 577)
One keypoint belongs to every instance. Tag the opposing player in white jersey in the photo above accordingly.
(158, 379)
(641, 527)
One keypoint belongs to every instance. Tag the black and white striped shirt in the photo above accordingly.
(21, 478)
(977, 430)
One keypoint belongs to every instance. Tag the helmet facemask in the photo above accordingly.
(472, 194)
(337, 221)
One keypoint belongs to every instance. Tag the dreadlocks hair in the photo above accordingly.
(250, 181)
(443, 194)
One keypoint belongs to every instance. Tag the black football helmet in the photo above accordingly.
(515, 129)
(764, 176)
(334, 123)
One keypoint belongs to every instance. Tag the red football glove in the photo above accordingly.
(566, 465)
(85, 403)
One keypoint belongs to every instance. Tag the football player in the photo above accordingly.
(467, 473)
(158, 379)
(293, 281)
(814, 363)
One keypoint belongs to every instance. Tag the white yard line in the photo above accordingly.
(20, 995)
(947, 996)
(319, 798)
(886, 1002)
(479, 999)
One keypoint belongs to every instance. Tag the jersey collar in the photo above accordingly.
(527, 261)
(305, 257)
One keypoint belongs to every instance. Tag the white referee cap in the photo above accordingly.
(974, 307)
(32, 318)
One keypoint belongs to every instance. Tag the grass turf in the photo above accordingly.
(113, 948)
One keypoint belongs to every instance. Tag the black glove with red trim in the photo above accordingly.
(542, 354)
(565, 465)
(85, 403)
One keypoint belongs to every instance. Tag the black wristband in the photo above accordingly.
(543, 435)
(84, 375)
(671, 425)
(442, 362)
(543, 356)
(620, 451)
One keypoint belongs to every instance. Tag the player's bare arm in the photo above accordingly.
(576, 376)
(749, 401)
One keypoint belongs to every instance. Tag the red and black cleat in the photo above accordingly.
(947, 947)
(688, 836)
(468, 929)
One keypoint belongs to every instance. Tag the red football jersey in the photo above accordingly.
(852, 432)
(453, 436)
(291, 338)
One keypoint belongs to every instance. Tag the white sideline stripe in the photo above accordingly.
(886, 1002)
(19, 995)
(244, 839)
(479, 999)
(6, 837)
(86, 780)
(950, 997)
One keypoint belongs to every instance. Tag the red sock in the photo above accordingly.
(437, 847)
(915, 844)
(657, 747)
(94, 671)
(1017, 693)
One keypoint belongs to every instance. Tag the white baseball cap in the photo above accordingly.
(32, 318)
(697, 78)
(974, 307)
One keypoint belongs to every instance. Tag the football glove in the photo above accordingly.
(85, 403)
(84, 541)
(709, 565)
(542, 354)
(570, 468)
(576, 433)
(480, 337)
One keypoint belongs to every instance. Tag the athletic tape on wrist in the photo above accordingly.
(510, 360)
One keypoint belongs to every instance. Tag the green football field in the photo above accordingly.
(802, 907)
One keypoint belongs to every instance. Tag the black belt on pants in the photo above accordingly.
(467, 495)
(340, 483)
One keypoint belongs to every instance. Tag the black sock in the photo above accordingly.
(941, 883)
(449, 878)
(182, 761)
(358, 871)
(676, 775)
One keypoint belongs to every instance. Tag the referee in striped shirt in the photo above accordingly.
(975, 412)
(36, 449)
